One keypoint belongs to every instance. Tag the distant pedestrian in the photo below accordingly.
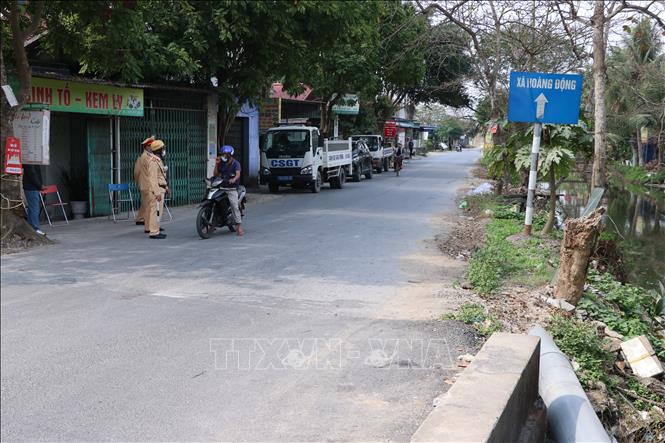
(399, 158)
(410, 145)
(32, 186)
(140, 182)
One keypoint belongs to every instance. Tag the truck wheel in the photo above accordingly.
(379, 170)
(315, 186)
(368, 174)
(356, 173)
(386, 166)
(273, 188)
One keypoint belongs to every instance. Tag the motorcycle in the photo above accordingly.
(216, 210)
(458, 148)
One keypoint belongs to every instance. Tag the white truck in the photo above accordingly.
(382, 156)
(299, 157)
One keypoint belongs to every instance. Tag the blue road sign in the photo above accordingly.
(544, 98)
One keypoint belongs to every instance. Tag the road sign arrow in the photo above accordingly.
(540, 105)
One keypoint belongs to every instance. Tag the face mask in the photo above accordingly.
(224, 158)
(164, 153)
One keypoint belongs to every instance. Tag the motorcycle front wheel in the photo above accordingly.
(203, 226)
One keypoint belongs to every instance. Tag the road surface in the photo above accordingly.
(309, 328)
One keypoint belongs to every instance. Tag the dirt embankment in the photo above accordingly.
(517, 307)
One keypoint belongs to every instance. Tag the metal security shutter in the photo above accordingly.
(99, 165)
(183, 129)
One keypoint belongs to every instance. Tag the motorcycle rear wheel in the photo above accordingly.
(203, 227)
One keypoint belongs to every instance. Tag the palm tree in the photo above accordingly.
(635, 93)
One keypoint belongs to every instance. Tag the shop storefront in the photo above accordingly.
(96, 130)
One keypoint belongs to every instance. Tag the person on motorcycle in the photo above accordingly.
(228, 168)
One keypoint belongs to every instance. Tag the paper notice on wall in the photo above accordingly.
(33, 128)
(9, 93)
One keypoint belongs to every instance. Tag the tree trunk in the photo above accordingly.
(579, 238)
(225, 119)
(552, 214)
(13, 227)
(633, 147)
(499, 186)
(660, 141)
(640, 148)
(326, 112)
(600, 123)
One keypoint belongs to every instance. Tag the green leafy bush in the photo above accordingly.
(623, 174)
(580, 341)
(628, 309)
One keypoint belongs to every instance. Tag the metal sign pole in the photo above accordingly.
(533, 177)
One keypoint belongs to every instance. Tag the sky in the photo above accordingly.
(585, 9)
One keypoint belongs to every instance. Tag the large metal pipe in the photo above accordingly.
(570, 416)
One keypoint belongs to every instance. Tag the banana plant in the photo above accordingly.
(560, 144)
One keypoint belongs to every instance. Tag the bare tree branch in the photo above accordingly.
(644, 10)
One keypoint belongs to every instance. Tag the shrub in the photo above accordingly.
(627, 309)
(580, 341)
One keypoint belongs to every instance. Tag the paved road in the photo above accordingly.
(294, 332)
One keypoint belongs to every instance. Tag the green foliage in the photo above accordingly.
(499, 259)
(474, 314)
(635, 93)
(339, 56)
(449, 131)
(446, 67)
(400, 61)
(500, 158)
(559, 144)
(580, 341)
(128, 41)
(637, 175)
(638, 388)
(630, 310)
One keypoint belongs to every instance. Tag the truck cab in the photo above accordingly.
(382, 156)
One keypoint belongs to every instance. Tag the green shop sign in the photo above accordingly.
(87, 98)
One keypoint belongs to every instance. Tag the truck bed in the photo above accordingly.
(337, 153)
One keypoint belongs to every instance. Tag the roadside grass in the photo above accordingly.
(499, 261)
(474, 314)
(627, 309)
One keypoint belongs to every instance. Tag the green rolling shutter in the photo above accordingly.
(99, 165)
(184, 133)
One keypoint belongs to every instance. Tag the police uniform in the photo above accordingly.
(140, 181)
(155, 185)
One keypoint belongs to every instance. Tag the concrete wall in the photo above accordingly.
(213, 107)
(492, 398)
(252, 114)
